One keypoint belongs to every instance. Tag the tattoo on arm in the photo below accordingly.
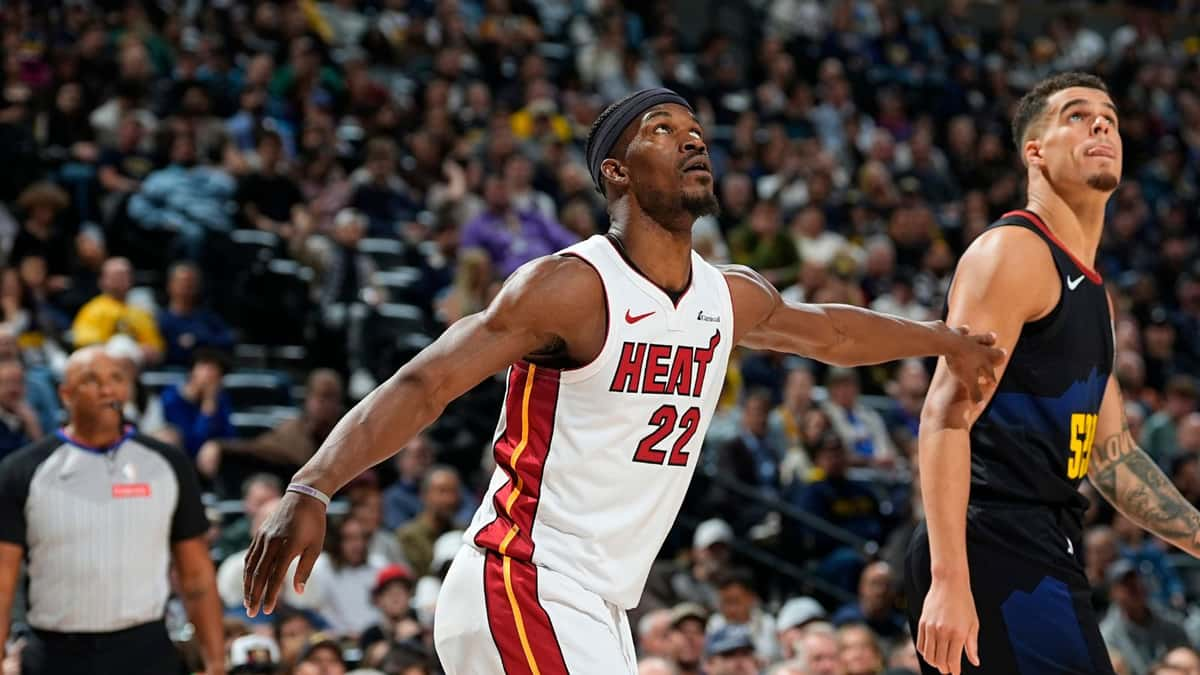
(1133, 483)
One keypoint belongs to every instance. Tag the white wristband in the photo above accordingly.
(310, 491)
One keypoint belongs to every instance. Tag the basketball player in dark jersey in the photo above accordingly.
(996, 569)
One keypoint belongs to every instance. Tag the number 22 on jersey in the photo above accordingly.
(1083, 435)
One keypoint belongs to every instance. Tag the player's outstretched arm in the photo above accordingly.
(990, 293)
(1126, 476)
(546, 302)
(844, 335)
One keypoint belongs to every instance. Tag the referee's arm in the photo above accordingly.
(14, 487)
(196, 572)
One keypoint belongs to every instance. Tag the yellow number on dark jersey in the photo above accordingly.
(1083, 434)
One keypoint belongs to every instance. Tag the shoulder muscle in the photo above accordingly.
(754, 298)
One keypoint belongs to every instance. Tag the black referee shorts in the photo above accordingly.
(140, 650)
(1031, 596)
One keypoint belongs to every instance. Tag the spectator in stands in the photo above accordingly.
(738, 606)
(321, 656)
(348, 608)
(762, 244)
(901, 300)
(366, 506)
(292, 630)
(291, 443)
(794, 618)
(730, 651)
(187, 198)
(691, 580)
(441, 497)
(257, 490)
(123, 165)
(687, 636)
(907, 391)
(41, 235)
(813, 240)
(1187, 435)
(200, 408)
(1185, 474)
(1135, 627)
(1160, 353)
(144, 408)
(876, 605)
(861, 429)
(19, 424)
(29, 314)
(1163, 583)
(1158, 434)
(472, 290)
(751, 460)
(185, 324)
(391, 595)
(654, 634)
(40, 386)
(785, 426)
(518, 177)
(861, 652)
(818, 651)
(108, 314)
(845, 503)
(379, 193)
(903, 660)
(268, 198)
(510, 237)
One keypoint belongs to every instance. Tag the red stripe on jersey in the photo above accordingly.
(519, 624)
(529, 408)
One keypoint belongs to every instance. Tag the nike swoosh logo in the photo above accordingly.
(634, 319)
(1074, 283)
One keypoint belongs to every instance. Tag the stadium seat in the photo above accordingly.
(156, 380)
(251, 391)
(403, 284)
(386, 253)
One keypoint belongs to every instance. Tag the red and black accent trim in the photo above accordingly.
(529, 408)
(519, 624)
(1034, 218)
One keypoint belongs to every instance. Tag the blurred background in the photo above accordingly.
(266, 207)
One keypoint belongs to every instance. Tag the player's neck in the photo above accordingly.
(1078, 223)
(663, 255)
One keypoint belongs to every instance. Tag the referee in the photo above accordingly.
(99, 511)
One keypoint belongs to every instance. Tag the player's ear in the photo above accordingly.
(1033, 153)
(615, 172)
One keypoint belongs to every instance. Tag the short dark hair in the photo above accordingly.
(737, 576)
(1033, 103)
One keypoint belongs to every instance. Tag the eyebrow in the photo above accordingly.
(663, 113)
(1083, 101)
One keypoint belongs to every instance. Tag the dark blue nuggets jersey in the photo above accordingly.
(1033, 442)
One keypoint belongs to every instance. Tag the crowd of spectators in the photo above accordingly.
(264, 207)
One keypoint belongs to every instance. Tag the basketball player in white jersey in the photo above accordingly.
(616, 350)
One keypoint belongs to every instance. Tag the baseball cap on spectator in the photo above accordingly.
(688, 610)
(392, 574)
(253, 654)
(121, 346)
(1158, 316)
(799, 612)
(1119, 571)
(730, 638)
(445, 548)
(712, 531)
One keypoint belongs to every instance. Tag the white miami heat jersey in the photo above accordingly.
(592, 463)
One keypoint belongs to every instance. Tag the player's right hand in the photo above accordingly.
(295, 528)
(949, 625)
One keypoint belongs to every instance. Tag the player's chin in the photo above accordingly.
(1103, 181)
(700, 201)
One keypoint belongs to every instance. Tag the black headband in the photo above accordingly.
(621, 113)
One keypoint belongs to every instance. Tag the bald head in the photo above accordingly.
(94, 389)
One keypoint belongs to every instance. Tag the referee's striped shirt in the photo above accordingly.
(97, 526)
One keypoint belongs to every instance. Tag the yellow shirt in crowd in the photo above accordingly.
(104, 316)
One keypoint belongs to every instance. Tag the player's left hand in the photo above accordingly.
(974, 361)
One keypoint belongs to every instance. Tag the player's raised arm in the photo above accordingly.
(844, 335)
(538, 308)
(990, 292)
(1126, 476)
